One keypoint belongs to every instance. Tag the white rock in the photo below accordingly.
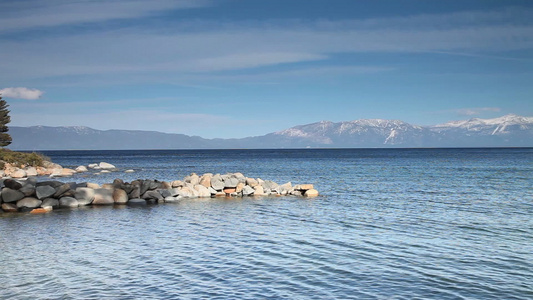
(106, 166)
(31, 171)
(81, 169)
(18, 173)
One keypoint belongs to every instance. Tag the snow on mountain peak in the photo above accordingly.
(506, 120)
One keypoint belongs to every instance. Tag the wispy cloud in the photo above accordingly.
(181, 52)
(21, 93)
(28, 14)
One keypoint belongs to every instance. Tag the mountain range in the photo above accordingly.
(505, 131)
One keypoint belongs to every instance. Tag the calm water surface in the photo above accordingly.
(390, 224)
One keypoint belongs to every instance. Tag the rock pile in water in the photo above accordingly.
(39, 197)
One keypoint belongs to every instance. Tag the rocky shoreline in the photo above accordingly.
(29, 195)
(52, 169)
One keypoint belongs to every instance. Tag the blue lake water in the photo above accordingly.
(389, 224)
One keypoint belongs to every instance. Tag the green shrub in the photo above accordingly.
(21, 158)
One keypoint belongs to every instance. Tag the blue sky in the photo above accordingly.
(236, 68)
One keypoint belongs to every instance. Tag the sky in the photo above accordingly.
(237, 68)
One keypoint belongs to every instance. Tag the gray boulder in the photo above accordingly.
(103, 197)
(68, 202)
(29, 202)
(50, 202)
(269, 185)
(174, 192)
(135, 192)
(10, 195)
(85, 196)
(217, 183)
(154, 184)
(165, 193)
(231, 182)
(247, 190)
(145, 186)
(28, 190)
(44, 191)
(152, 195)
(52, 183)
(60, 190)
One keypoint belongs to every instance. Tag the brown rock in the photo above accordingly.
(304, 187)
(228, 190)
(251, 182)
(203, 192)
(120, 196)
(42, 171)
(239, 187)
(205, 180)
(108, 186)
(177, 183)
(103, 197)
(311, 193)
(18, 173)
(9, 207)
(41, 210)
(259, 191)
(93, 185)
(31, 171)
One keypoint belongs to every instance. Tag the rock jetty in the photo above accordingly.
(29, 195)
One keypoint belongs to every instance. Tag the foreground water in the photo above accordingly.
(391, 223)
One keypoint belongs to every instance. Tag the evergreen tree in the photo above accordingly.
(5, 138)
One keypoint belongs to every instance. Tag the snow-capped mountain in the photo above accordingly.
(501, 125)
(511, 130)
(506, 131)
(358, 133)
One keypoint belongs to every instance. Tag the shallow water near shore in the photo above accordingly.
(390, 223)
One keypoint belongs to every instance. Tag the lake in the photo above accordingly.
(389, 224)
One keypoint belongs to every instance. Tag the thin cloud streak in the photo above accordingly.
(180, 53)
(33, 14)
